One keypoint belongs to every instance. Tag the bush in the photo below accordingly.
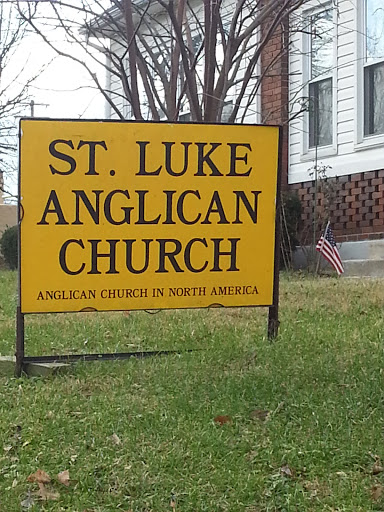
(290, 224)
(8, 247)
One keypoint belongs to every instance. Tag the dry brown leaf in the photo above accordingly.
(377, 468)
(28, 502)
(259, 414)
(287, 471)
(317, 488)
(221, 420)
(46, 494)
(63, 478)
(376, 492)
(39, 476)
(115, 439)
(311, 487)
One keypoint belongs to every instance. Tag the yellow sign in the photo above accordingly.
(129, 215)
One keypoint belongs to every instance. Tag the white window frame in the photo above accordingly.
(363, 141)
(308, 153)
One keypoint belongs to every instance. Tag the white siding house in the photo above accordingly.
(329, 90)
(353, 36)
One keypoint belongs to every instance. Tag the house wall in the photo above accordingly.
(353, 161)
(358, 209)
(356, 161)
(274, 98)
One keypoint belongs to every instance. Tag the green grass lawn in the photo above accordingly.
(140, 435)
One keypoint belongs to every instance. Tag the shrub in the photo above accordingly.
(290, 223)
(8, 246)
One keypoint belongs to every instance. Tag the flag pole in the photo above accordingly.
(322, 245)
(315, 106)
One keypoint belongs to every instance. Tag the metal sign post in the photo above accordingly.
(273, 311)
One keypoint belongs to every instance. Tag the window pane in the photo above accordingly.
(374, 99)
(196, 44)
(227, 111)
(375, 29)
(321, 43)
(184, 118)
(320, 113)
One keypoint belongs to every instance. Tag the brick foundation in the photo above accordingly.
(356, 211)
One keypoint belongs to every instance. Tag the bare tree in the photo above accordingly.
(14, 83)
(197, 60)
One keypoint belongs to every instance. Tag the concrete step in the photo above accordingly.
(364, 250)
(363, 268)
(360, 259)
(7, 368)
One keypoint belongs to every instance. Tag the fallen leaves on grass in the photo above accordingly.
(40, 476)
(63, 478)
(377, 468)
(287, 471)
(259, 414)
(16, 436)
(28, 502)
(376, 492)
(316, 488)
(115, 439)
(222, 420)
(46, 494)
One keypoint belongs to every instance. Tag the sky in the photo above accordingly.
(63, 89)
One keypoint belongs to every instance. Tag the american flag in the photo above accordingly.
(327, 247)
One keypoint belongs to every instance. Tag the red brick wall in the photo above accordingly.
(357, 212)
(274, 86)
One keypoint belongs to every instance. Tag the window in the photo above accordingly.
(320, 79)
(197, 41)
(227, 111)
(374, 68)
(184, 118)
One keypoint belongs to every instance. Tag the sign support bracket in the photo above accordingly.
(19, 342)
